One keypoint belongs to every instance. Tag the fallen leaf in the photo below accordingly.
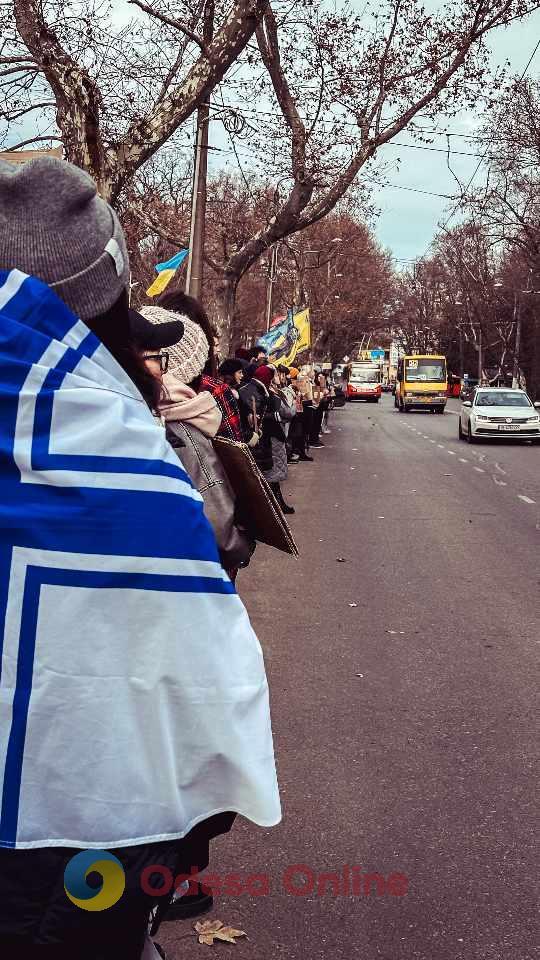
(211, 930)
(353, 604)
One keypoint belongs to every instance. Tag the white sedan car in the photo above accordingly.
(499, 412)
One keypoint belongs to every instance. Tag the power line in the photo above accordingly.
(398, 186)
(480, 162)
(431, 131)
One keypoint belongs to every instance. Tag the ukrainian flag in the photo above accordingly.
(165, 273)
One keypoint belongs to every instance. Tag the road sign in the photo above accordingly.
(377, 354)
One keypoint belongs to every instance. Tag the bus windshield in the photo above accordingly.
(365, 375)
(426, 370)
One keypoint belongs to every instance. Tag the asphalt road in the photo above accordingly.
(403, 693)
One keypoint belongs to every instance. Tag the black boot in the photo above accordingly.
(279, 497)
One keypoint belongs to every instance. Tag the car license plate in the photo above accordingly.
(509, 426)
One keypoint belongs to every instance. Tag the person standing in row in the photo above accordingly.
(319, 407)
(288, 396)
(192, 420)
(299, 432)
(230, 377)
(136, 710)
(260, 400)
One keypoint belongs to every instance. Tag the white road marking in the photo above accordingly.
(451, 452)
(432, 441)
(479, 469)
(525, 499)
(463, 460)
(441, 446)
(500, 483)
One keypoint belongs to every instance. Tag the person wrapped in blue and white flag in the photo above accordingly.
(133, 696)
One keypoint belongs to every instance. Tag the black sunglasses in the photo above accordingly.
(161, 358)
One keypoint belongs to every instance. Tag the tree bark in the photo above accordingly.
(225, 312)
(78, 98)
(147, 134)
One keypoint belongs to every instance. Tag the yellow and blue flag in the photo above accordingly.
(285, 340)
(165, 273)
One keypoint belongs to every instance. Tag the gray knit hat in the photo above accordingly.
(54, 226)
(187, 358)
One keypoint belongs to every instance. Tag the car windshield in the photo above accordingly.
(502, 399)
(428, 370)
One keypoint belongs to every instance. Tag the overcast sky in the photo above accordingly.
(408, 220)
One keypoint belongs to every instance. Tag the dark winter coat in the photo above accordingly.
(255, 393)
(278, 414)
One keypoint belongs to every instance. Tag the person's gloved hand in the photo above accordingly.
(254, 440)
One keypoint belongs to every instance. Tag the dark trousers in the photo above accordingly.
(38, 922)
(308, 423)
(297, 435)
(316, 422)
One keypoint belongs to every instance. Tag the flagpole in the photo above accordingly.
(271, 281)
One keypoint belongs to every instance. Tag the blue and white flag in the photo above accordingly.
(133, 696)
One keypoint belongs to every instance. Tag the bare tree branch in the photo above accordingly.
(267, 39)
(174, 23)
(25, 143)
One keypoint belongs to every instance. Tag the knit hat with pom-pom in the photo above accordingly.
(187, 358)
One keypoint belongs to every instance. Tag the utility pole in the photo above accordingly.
(517, 322)
(480, 357)
(195, 267)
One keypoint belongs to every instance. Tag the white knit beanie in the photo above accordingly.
(187, 358)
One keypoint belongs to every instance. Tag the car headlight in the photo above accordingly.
(534, 419)
(441, 395)
(480, 417)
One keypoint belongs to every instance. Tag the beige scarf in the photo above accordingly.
(198, 410)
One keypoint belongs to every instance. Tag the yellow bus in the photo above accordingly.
(422, 383)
